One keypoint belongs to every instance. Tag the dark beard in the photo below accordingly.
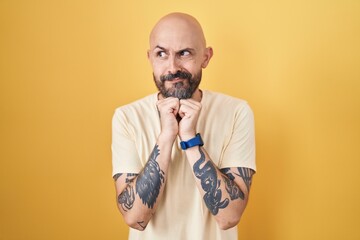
(180, 90)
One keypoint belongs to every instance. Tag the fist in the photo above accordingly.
(189, 112)
(168, 110)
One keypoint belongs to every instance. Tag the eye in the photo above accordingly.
(161, 54)
(185, 53)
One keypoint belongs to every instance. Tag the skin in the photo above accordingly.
(177, 43)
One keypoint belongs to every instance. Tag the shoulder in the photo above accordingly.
(140, 106)
(225, 102)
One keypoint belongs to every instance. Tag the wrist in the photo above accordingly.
(166, 138)
(187, 136)
(192, 142)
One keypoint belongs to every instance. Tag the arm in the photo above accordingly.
(225, 192)
(138, 195)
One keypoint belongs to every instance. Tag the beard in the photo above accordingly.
(181, 90)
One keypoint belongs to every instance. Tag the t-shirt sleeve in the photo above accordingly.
(125, 158)
(240, 151)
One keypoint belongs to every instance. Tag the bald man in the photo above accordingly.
(183, 158)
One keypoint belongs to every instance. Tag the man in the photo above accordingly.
(183, 158)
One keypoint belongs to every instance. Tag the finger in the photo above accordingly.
(186, 110)
(189, 108)
(181, 112)
(167, 100)
(190, 100)
(168, 105)
(175, 105)
(191, 103)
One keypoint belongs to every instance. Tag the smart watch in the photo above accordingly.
(196, 141)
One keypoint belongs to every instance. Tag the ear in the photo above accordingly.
(207, 56)
(148, 54)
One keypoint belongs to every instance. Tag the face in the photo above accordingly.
(176, 71)
(177, 55)
(180, 83)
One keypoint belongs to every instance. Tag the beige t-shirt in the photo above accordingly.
(226, 126)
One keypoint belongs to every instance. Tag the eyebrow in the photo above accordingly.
(164, 49)
(187, 49)
(157, 46)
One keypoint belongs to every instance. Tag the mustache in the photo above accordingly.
(178, 74)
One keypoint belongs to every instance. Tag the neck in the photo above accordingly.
(197, 96)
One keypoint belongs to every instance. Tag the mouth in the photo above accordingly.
(175, 80)
(178, 76)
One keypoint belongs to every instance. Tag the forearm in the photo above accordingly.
(139, 197)
(225, 199)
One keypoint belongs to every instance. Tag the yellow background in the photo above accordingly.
(66, 65)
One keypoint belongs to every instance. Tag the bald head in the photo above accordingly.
(178, 52)
(178, 27)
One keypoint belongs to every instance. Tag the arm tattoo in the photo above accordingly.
(127, 197)
(142, 225)
(231, 187)
(210, 184)
(149, 181)
(116, 176)
(246, 175)
(130, 177)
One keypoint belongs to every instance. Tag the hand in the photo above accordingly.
(189, 112)
(169, 108)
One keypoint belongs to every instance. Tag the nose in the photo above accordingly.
(174, 65)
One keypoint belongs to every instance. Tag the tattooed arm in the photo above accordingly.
(225, 192)
(139, 194)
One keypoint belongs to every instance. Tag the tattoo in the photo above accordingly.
(246, 175)
(231, 187)
(142, 225)
(116, 176)
(210, 184)
(130, 177)
(149, 181)
(127, 197)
